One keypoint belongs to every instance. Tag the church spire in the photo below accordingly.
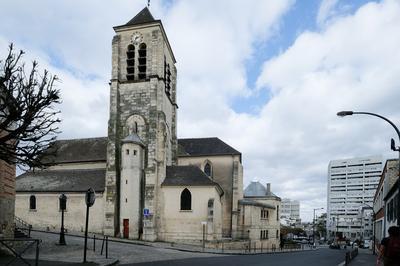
(142, 17)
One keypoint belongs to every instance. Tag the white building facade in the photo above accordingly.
(290, 212)
(351, 186)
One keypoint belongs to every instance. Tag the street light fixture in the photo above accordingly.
(313, 228)
(392, 146)
(63, 207)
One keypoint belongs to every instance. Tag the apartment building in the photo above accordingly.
(351, 187)
(290, 212)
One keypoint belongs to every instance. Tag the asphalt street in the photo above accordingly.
(133, 254)
(321, 257)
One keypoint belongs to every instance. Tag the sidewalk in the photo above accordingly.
(53, 254)
(364, 258)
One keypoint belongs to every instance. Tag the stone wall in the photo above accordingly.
(228, 173)
(186, 225)
(145, 98)
(47, 215)
(7, 199)
(251, 223)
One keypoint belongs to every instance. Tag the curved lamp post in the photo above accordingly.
(392, 146)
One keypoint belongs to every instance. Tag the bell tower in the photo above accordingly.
(143, 105)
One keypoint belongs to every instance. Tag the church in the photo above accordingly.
(149, 184)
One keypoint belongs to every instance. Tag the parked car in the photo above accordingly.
(334, 246)
(367, 244)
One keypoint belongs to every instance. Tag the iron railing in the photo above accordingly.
(12, 245)
(22, 226)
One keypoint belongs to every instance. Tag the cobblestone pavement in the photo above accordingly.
(118, 251)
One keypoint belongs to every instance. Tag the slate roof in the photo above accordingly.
(95, 149)
(142, 17)
(255, 203)
(61, 180)
(133, 138)
(78, 150)
(204, 146)
(188, 176)
(256, 189)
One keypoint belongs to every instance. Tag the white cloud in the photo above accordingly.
(351, 64)
(326, 10)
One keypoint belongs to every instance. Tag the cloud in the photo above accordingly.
(326, 10)
(350, 65)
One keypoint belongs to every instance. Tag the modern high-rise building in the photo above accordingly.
(351, 187)
(290, 212)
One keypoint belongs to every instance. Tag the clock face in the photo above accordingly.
(137, 38)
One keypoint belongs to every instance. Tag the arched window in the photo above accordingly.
(130, 62)
(186, 200)
(142, 61)
(32, 202)
(208, 169)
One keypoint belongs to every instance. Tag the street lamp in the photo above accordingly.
(313, 228)
(63, 206)
(392, 146)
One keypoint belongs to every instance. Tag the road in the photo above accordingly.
(321, 257)
(132, 254)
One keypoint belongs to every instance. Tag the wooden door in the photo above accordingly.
(126, 228)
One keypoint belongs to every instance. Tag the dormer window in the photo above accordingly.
(142, 61)
(130, 62)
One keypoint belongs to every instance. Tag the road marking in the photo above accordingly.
(342, 264)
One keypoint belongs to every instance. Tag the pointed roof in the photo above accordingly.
(142, 17)
(133, 138)
(188, 175)
(256, 189)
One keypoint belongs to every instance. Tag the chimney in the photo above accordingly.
(268, 188)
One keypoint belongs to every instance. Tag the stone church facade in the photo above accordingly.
(150, 185)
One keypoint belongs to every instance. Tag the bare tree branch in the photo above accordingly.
(28, 120)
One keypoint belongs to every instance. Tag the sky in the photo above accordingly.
(266, 77)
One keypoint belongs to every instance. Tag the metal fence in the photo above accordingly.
(18, 246)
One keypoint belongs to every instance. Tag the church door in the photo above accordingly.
(126, 228)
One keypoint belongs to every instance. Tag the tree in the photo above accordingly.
(28, 120)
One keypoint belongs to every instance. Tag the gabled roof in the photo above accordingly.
(204, 147)
(78, 150)
(256, 190)
(61, 180)
(142, 17)
(188, 176)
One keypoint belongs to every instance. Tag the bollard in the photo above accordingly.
(94, 242)
(37, 253)
(106, 247)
